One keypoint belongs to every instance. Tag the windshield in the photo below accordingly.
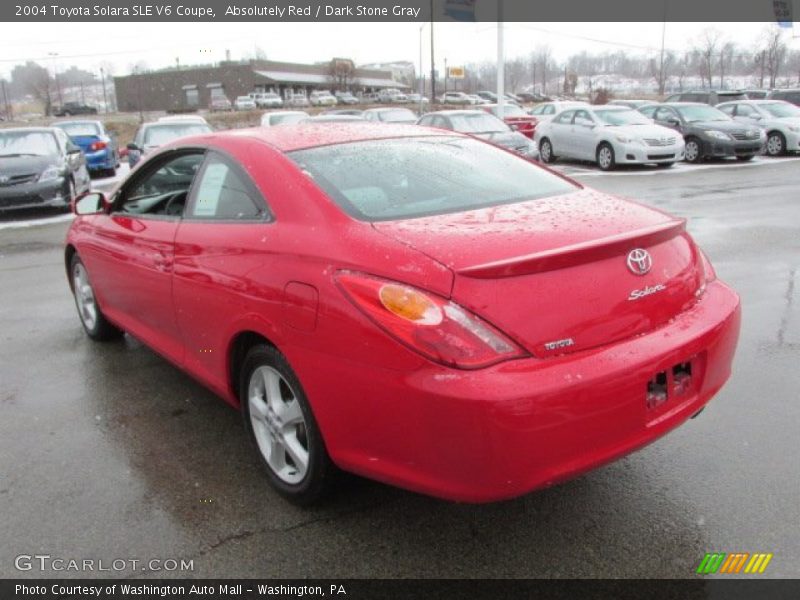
(779, 109)
(30, 143)
(78, 129)
(695, 112)
(163, 134)
(478, 123)
(380, 180)
(622, 117)
(399, 115)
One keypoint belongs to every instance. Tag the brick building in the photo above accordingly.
(189, 88)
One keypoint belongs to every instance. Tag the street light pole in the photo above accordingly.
(421, 82)
(433, 64)
(103, 81)
(138, 93)
(501, 65)
(54, 55)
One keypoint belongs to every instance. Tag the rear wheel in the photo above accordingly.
(92, 318)
(605, 157)
(693, 152)
(282, 427)
(546, 151)
(776, 144)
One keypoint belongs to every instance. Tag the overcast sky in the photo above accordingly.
(87, 45)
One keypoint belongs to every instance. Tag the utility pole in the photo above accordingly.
(421, 82)
(9, 111)
(103, 81)
(139, 93)
(445, 77)
(433, 64)
(501, 64)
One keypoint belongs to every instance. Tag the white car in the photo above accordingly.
(456, 98)
(244, 103)
(417, 98)
(780, 120)
(283, 117)
(548, 110)
(346, 98)
(608, 135)
(182, 119)
(298, 99)
(322, 98)
(267, 99)
(477, 99)
(392, 96)
(390, 115)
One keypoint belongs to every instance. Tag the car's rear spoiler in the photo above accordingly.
(583, 252)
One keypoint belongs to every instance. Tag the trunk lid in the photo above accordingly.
(553, 273)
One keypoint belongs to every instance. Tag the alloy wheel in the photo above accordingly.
(775, 145)
(692, 151)
(278, 424)
(84, 296)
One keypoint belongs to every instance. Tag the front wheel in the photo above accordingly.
(693, 152)
(282, 427)
(546, 151)
(776, 144)
(605, 157)
(92, 318)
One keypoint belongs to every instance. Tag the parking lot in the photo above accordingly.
(110, 451)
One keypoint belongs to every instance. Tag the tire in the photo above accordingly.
(693, 152)
(94, 322)
(776, 144)
(747, 158)
(70, 193)
(605, 157)
(546, 151)
(282, 428)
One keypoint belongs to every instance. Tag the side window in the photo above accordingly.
(549, 110)
(583, 118)
(162, 189)
(426, 121)
(224, 192)
(537, 110)
(728, 109)
(664, 114)
(743, 110)
(648, 111)
(565, 117)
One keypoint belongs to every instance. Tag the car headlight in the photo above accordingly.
(50, 174)
(623, 139)
(718, 135)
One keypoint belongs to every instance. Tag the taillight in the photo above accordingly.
(428, 324)
(707, 274)
(97, 146)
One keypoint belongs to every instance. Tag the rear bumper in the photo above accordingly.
(34, 195)
(102, 159)
(503, 431)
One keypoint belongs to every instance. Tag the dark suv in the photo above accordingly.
(712, 97)
(74, 108)
(792, 95)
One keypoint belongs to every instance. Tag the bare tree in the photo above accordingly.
(660, 69)
(774, 51)
(726, 54)
(708, 49)
(542, 57)
(516, 70)
(35, 80)
(341, 72)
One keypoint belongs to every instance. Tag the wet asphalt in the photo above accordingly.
(109, 452)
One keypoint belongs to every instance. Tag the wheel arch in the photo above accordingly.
(69, 252)
(238, 347)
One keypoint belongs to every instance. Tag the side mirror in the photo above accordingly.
(90, 203)
(73, 150)
(133, 147)
(672, 121)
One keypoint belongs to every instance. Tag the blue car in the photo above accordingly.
(100, 148)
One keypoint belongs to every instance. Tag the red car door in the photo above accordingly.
(132, 258)
(224, 251)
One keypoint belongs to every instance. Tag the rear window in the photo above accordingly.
(396, 116)
(163, 134)
(78, 129)
(380, 180)
(477, 123)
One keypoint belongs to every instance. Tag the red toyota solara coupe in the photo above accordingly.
(408, 304)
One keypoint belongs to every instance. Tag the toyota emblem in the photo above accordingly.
(639, 261)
